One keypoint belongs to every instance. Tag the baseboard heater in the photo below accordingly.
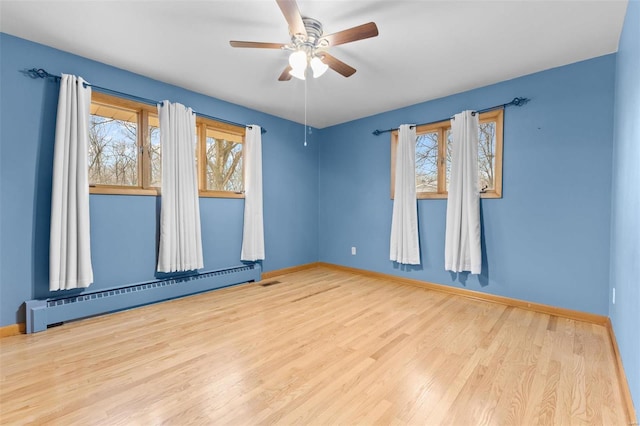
(42, 313)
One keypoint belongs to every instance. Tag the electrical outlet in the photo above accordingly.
(353, 251)
(614, 296)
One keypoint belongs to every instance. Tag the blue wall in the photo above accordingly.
(546, 241)
(625, 216)
(123, 228)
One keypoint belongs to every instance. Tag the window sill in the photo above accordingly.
(220, 194)
(427, 196)
(121, 190)
(155, 192)
(443, 196)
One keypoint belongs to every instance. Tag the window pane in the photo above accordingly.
(113, 147)
(155, 152)
(224, 164)
(427, 162)
(486, 155)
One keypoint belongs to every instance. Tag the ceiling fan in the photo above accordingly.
(308, 44)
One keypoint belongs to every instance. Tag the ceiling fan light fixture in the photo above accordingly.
(318, 67)
(298, 60)
(298, 73)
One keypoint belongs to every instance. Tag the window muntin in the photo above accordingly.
(125, 155)
(433, 157)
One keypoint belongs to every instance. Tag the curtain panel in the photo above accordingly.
(180, 246)
(462, 235)
(405, 245)
(70, 245)
(253, 229)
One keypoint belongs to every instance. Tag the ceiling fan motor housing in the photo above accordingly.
(311, 41)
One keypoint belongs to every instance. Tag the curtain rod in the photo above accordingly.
(515, 101)
(41, 73)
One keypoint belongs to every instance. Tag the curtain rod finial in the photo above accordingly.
(41, 73)
(37, 73)
(519, 101)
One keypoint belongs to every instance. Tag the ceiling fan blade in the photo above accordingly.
(291, 13)
(337, 65)
(256, 44)
(352, 34)
(285, 76)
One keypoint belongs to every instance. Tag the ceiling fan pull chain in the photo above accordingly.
(305, 112)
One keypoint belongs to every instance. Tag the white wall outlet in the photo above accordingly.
(353, 251)
(613, 298)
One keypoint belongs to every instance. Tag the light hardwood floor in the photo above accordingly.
(319, 347)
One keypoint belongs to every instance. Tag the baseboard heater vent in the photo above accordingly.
(44, 312)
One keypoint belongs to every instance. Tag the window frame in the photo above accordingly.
(441, 128)
(142, 136)
(143, 145)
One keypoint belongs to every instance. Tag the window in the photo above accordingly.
(125, 156)
(433, 157)
(222, 171)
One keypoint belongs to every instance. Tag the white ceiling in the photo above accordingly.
(425, 50)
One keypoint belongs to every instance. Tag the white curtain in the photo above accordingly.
(462, 250)
(180, 239)
(69, 246)
(253, 231)
(405, 246)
